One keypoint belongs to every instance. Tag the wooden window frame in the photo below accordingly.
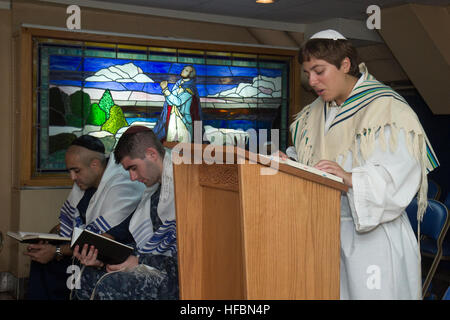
(27, 115)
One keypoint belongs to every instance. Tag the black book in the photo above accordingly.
(35, 237)
(109, 251)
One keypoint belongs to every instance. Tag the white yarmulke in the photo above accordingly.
(328, 34)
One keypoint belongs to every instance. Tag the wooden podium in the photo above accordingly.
(244, 235)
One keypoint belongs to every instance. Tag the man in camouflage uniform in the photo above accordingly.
(152, 271)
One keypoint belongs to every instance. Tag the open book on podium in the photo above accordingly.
(254, 229)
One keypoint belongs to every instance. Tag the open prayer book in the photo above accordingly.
(33, 237)
(109, 251)
(303, 167)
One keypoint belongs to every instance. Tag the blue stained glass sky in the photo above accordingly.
(65, 63)
(152, 87)
(72, 70)
(95, 64)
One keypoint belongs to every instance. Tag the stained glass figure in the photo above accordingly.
(181, 108)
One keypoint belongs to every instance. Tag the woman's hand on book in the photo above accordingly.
(280, 154)
(333, 168)
(88, 256)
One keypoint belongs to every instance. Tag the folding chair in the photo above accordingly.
(434, 190)
(432, 232)
(446, 294)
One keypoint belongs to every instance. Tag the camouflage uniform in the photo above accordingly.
(140, 283)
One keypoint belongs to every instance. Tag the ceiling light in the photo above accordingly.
(266, 1)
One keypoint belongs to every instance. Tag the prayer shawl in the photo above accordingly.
(370, 107)
(150, 238)
(115, 199)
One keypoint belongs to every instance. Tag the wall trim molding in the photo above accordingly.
(106, 33)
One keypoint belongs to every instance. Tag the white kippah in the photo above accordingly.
(328, 34)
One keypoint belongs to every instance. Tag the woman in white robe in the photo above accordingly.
(366, 133)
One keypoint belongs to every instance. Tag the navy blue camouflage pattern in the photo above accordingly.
(155, 278)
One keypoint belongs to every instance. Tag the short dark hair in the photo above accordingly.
(332, 51)
(89, 142)
(134, 143)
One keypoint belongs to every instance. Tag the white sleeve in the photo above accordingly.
(384, 185)
(292, 153)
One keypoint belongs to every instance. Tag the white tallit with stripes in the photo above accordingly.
(370, 106)
(160, 240)
(115, 199)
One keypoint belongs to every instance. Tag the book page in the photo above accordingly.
(311, 169)
(75, 234)
(14, 235)
(22, 236)
(304, 167)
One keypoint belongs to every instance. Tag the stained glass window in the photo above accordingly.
(102, 88)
